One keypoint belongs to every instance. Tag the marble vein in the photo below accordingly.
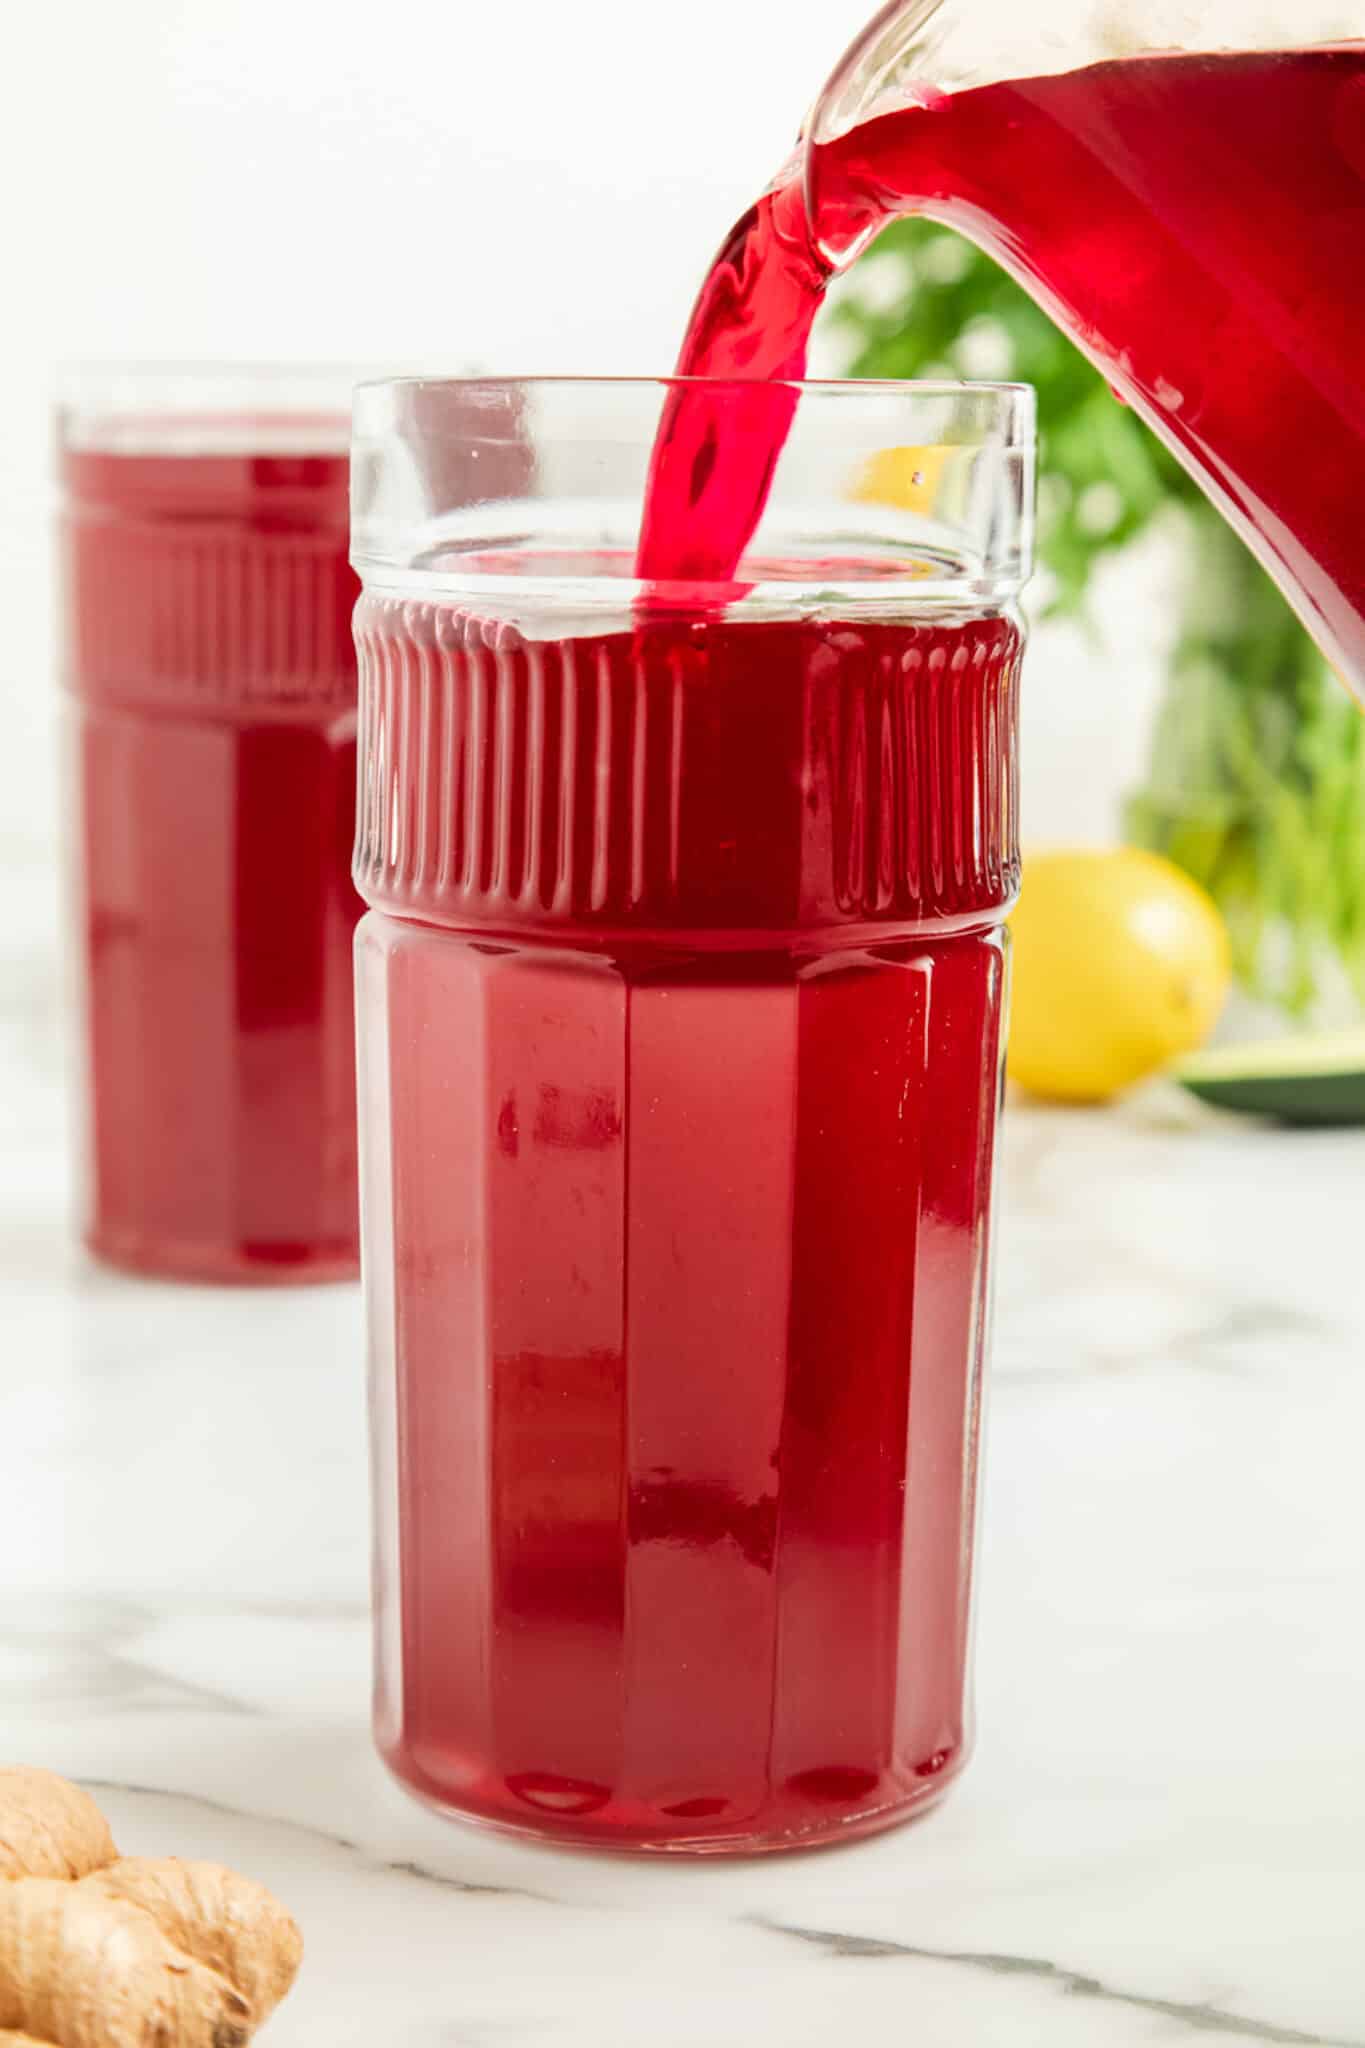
(401, 1867)
(1200, 2018)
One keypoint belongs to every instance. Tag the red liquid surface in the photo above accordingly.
(680, 1056)
(210, 656)
(1196, 224)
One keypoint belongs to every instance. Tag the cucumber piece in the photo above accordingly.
(1307, 1081)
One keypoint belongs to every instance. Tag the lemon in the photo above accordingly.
(911, 479)
(1121, 965)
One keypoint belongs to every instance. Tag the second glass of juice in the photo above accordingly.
(681, 1005)
(211, 681)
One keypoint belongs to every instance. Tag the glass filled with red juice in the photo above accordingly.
(681, 1018)
(211, 676)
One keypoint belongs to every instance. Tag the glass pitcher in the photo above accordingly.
(1182, 188)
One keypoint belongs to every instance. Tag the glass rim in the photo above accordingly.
(74, 376)
(937, 385)
(1006, 390)
(573, 519)
(205, 407)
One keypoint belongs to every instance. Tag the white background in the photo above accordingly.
(510, 185)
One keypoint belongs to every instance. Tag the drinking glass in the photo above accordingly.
(681, 1017)
(212, 682)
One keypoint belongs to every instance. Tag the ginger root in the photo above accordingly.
(86, 1972)
(229, 1922)
(49, 1828)
(103, 1951)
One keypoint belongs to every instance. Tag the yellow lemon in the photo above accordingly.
(908, 478)
(1121, 964)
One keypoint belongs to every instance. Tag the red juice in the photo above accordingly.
(210, 657)
(1195, 223)
(681, 1034)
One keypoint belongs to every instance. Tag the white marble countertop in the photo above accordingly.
(1162, 1837)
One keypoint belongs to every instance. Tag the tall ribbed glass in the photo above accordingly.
(211, 672)
(680, 1000)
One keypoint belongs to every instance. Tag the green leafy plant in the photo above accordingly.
(1256, 779)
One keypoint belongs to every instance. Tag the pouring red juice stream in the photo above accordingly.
(706, 1581)
(1196, 224)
